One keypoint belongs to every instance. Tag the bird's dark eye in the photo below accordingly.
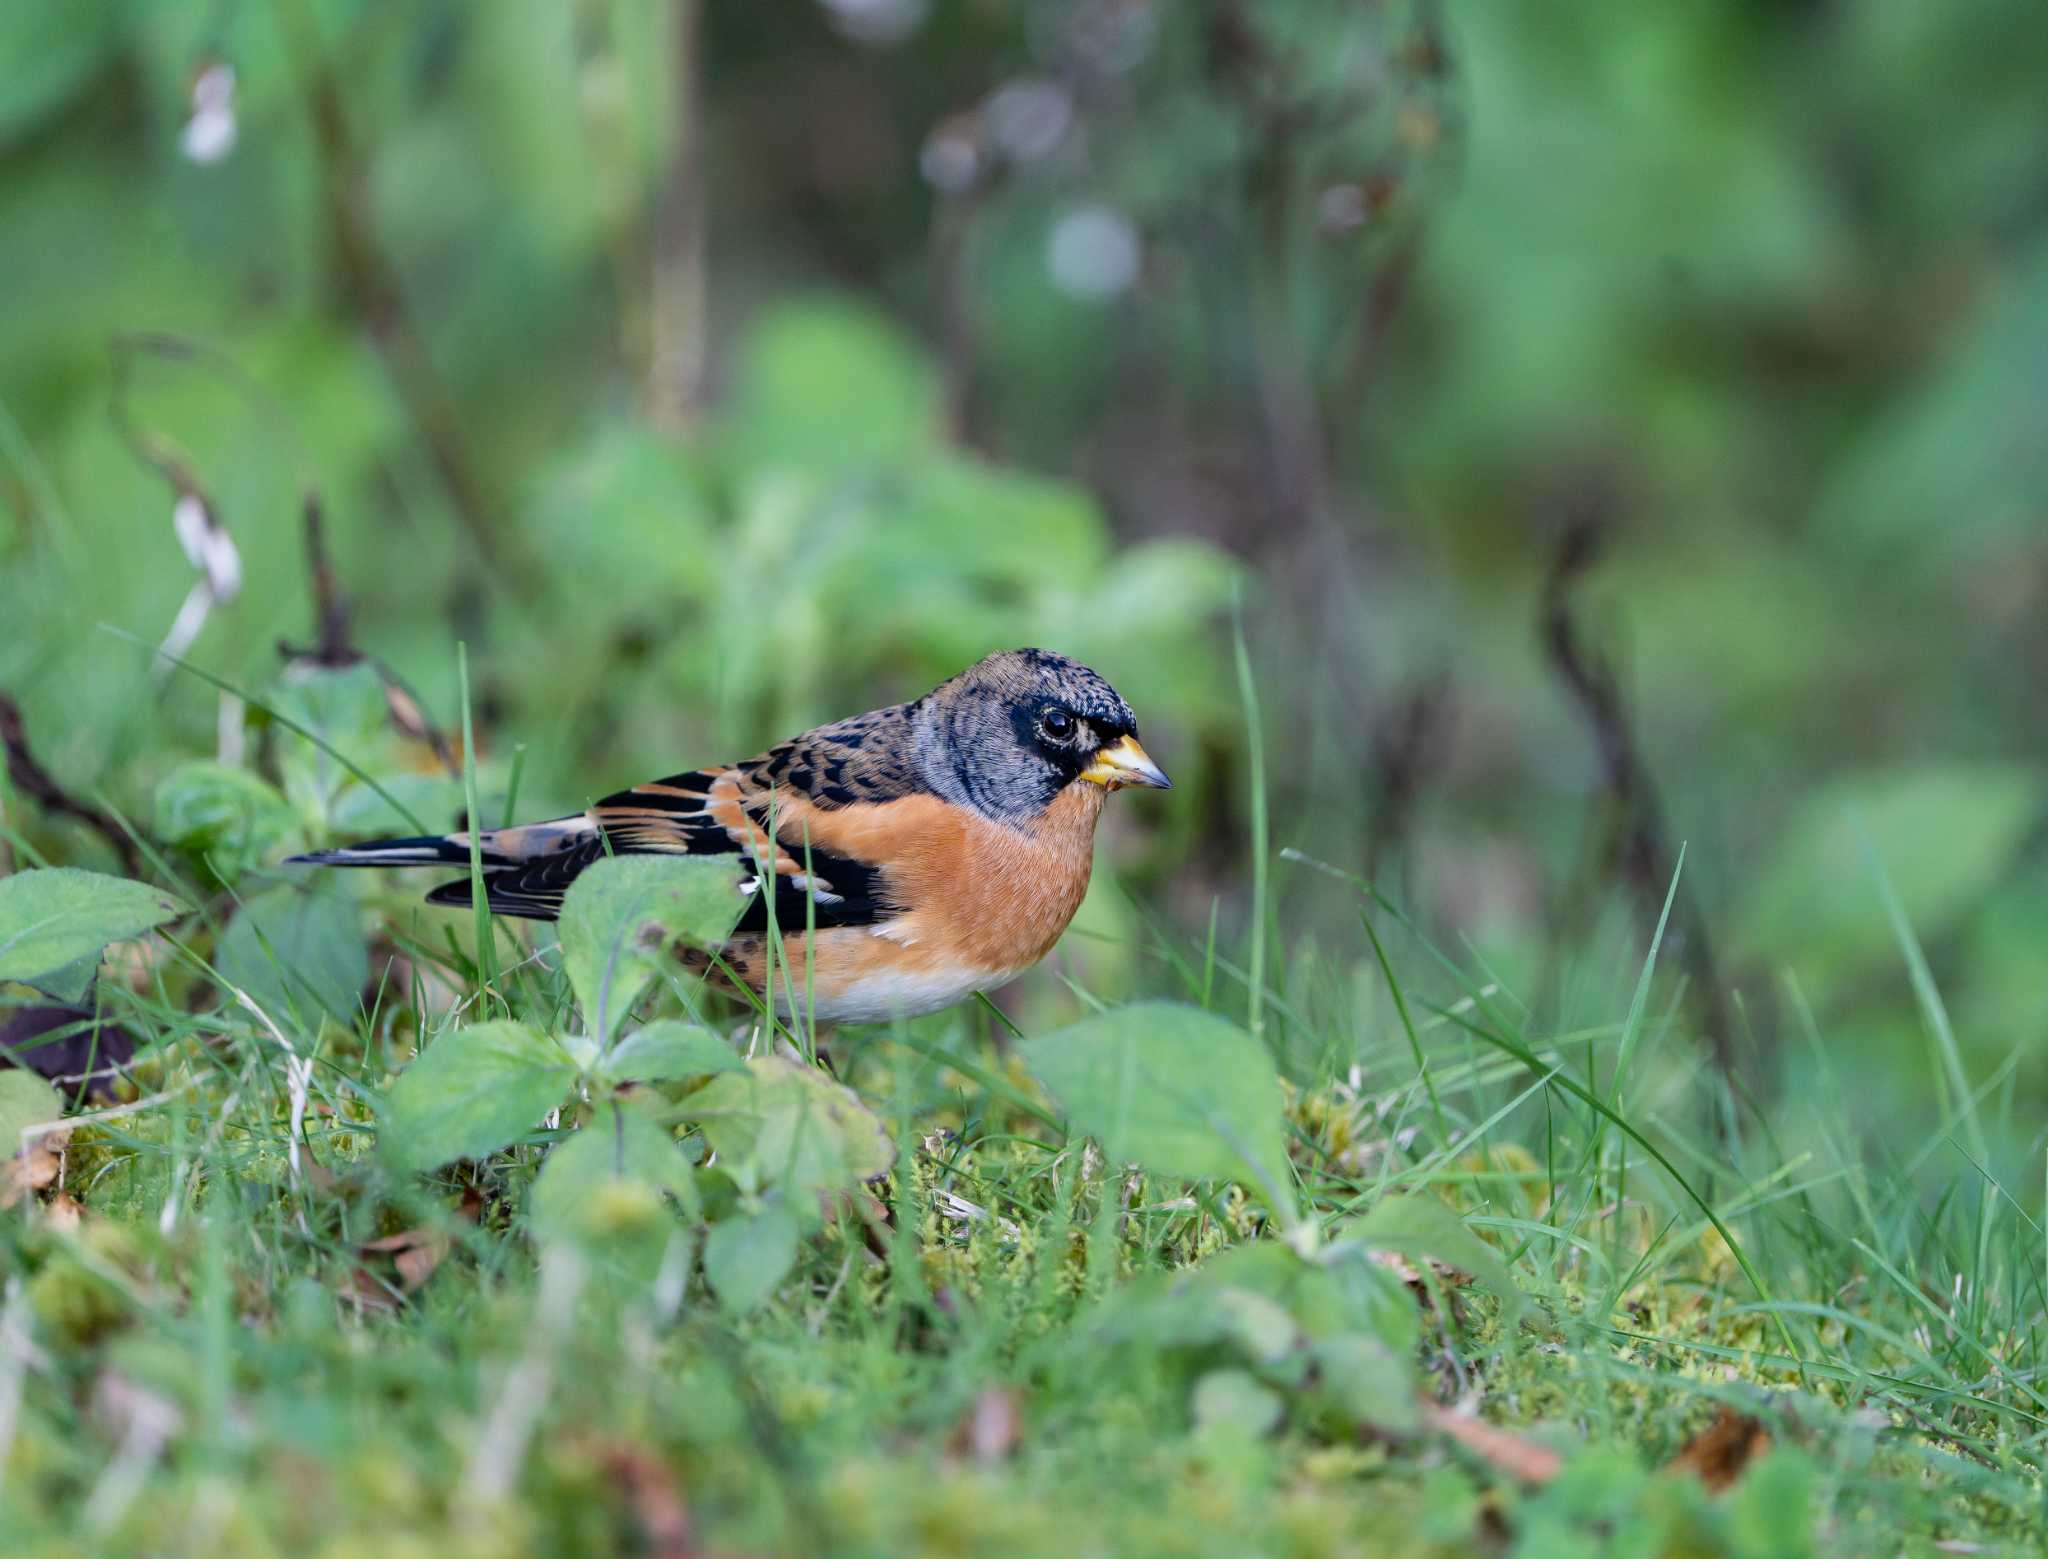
(1057, 724)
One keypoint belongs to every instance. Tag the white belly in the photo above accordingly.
(892, 993)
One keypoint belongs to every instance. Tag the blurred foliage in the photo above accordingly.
(1042, 323)
(1625, 430)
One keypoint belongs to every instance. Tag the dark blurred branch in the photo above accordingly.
(378, 297)
(677, 357)
(955, 224)
(335, 648)
(615, 166)
(31, 779)
(1405, 743)
(1638, 843)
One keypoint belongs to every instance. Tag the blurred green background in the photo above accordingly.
(1627, 427)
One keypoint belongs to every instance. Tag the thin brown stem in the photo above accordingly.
(677, 356)
(29, 778)
(376, 294)
(1638, 842)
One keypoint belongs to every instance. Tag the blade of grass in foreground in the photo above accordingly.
(1591, 1098)
(1587, 1096)
(1407, 1023)
(486, 954)
(1248, 690)
(1934, 1012)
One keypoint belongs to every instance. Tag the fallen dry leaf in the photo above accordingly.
(1502, 1449)
(992, 1427)
(1720, 1453)
(35, 1169)
(649, 1487)
(413, 1254)
(67, 1046)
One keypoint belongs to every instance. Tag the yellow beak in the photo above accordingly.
(1123, 763)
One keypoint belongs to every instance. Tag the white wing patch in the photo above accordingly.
(820, 894)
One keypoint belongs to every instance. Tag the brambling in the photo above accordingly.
(948, 840)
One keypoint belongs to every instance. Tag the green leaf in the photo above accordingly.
(776, 1123)
(47, 52)
(1324, 1298)
(1771, 1510)
(1944, 834)
(667, 1051)
(1181, 1091)
(51, 919)
(622, 914)
(229, 817)
(605, 1189)
(297, 950)
(25, 1100)
(745, 1259)
(1232, 1398)
(622, 514)
(70, 984)
(1259, 1325)
(1367, 1381)
(1421, 1228)
(824, 384)
(472, 1091)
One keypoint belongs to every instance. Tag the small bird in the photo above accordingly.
(937, 847)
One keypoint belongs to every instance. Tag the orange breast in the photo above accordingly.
(980, 901)
(973, 891)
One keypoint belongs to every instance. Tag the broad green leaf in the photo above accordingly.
(70, 984)
(1324, 1298)
(745, 1258)
(1181, 1091)
(47, 52)
(1363, 1295)
(607, 1187)
(1367, 1381)
(622, 515)
(1421, 1228)
(780, 1124)
(298, 950)
(621, 917)
(53, 918)
(1234, 1399)
(666, 1051)
(472, 1091)
(1944, 833)
(25, 1100)
(1258, 1324)
(347, 709)
(228, 816)
(1773, 1501)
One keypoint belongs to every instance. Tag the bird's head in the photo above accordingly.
(1011, 732)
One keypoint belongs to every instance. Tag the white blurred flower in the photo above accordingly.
(1340, 208)
(878, 21)
(1093, 253)
(209, 135)
(1108, 37)
(207, 546)
(950, 159)
(1029, 117)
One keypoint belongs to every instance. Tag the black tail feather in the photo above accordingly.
(502, 897)
(426, 850)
